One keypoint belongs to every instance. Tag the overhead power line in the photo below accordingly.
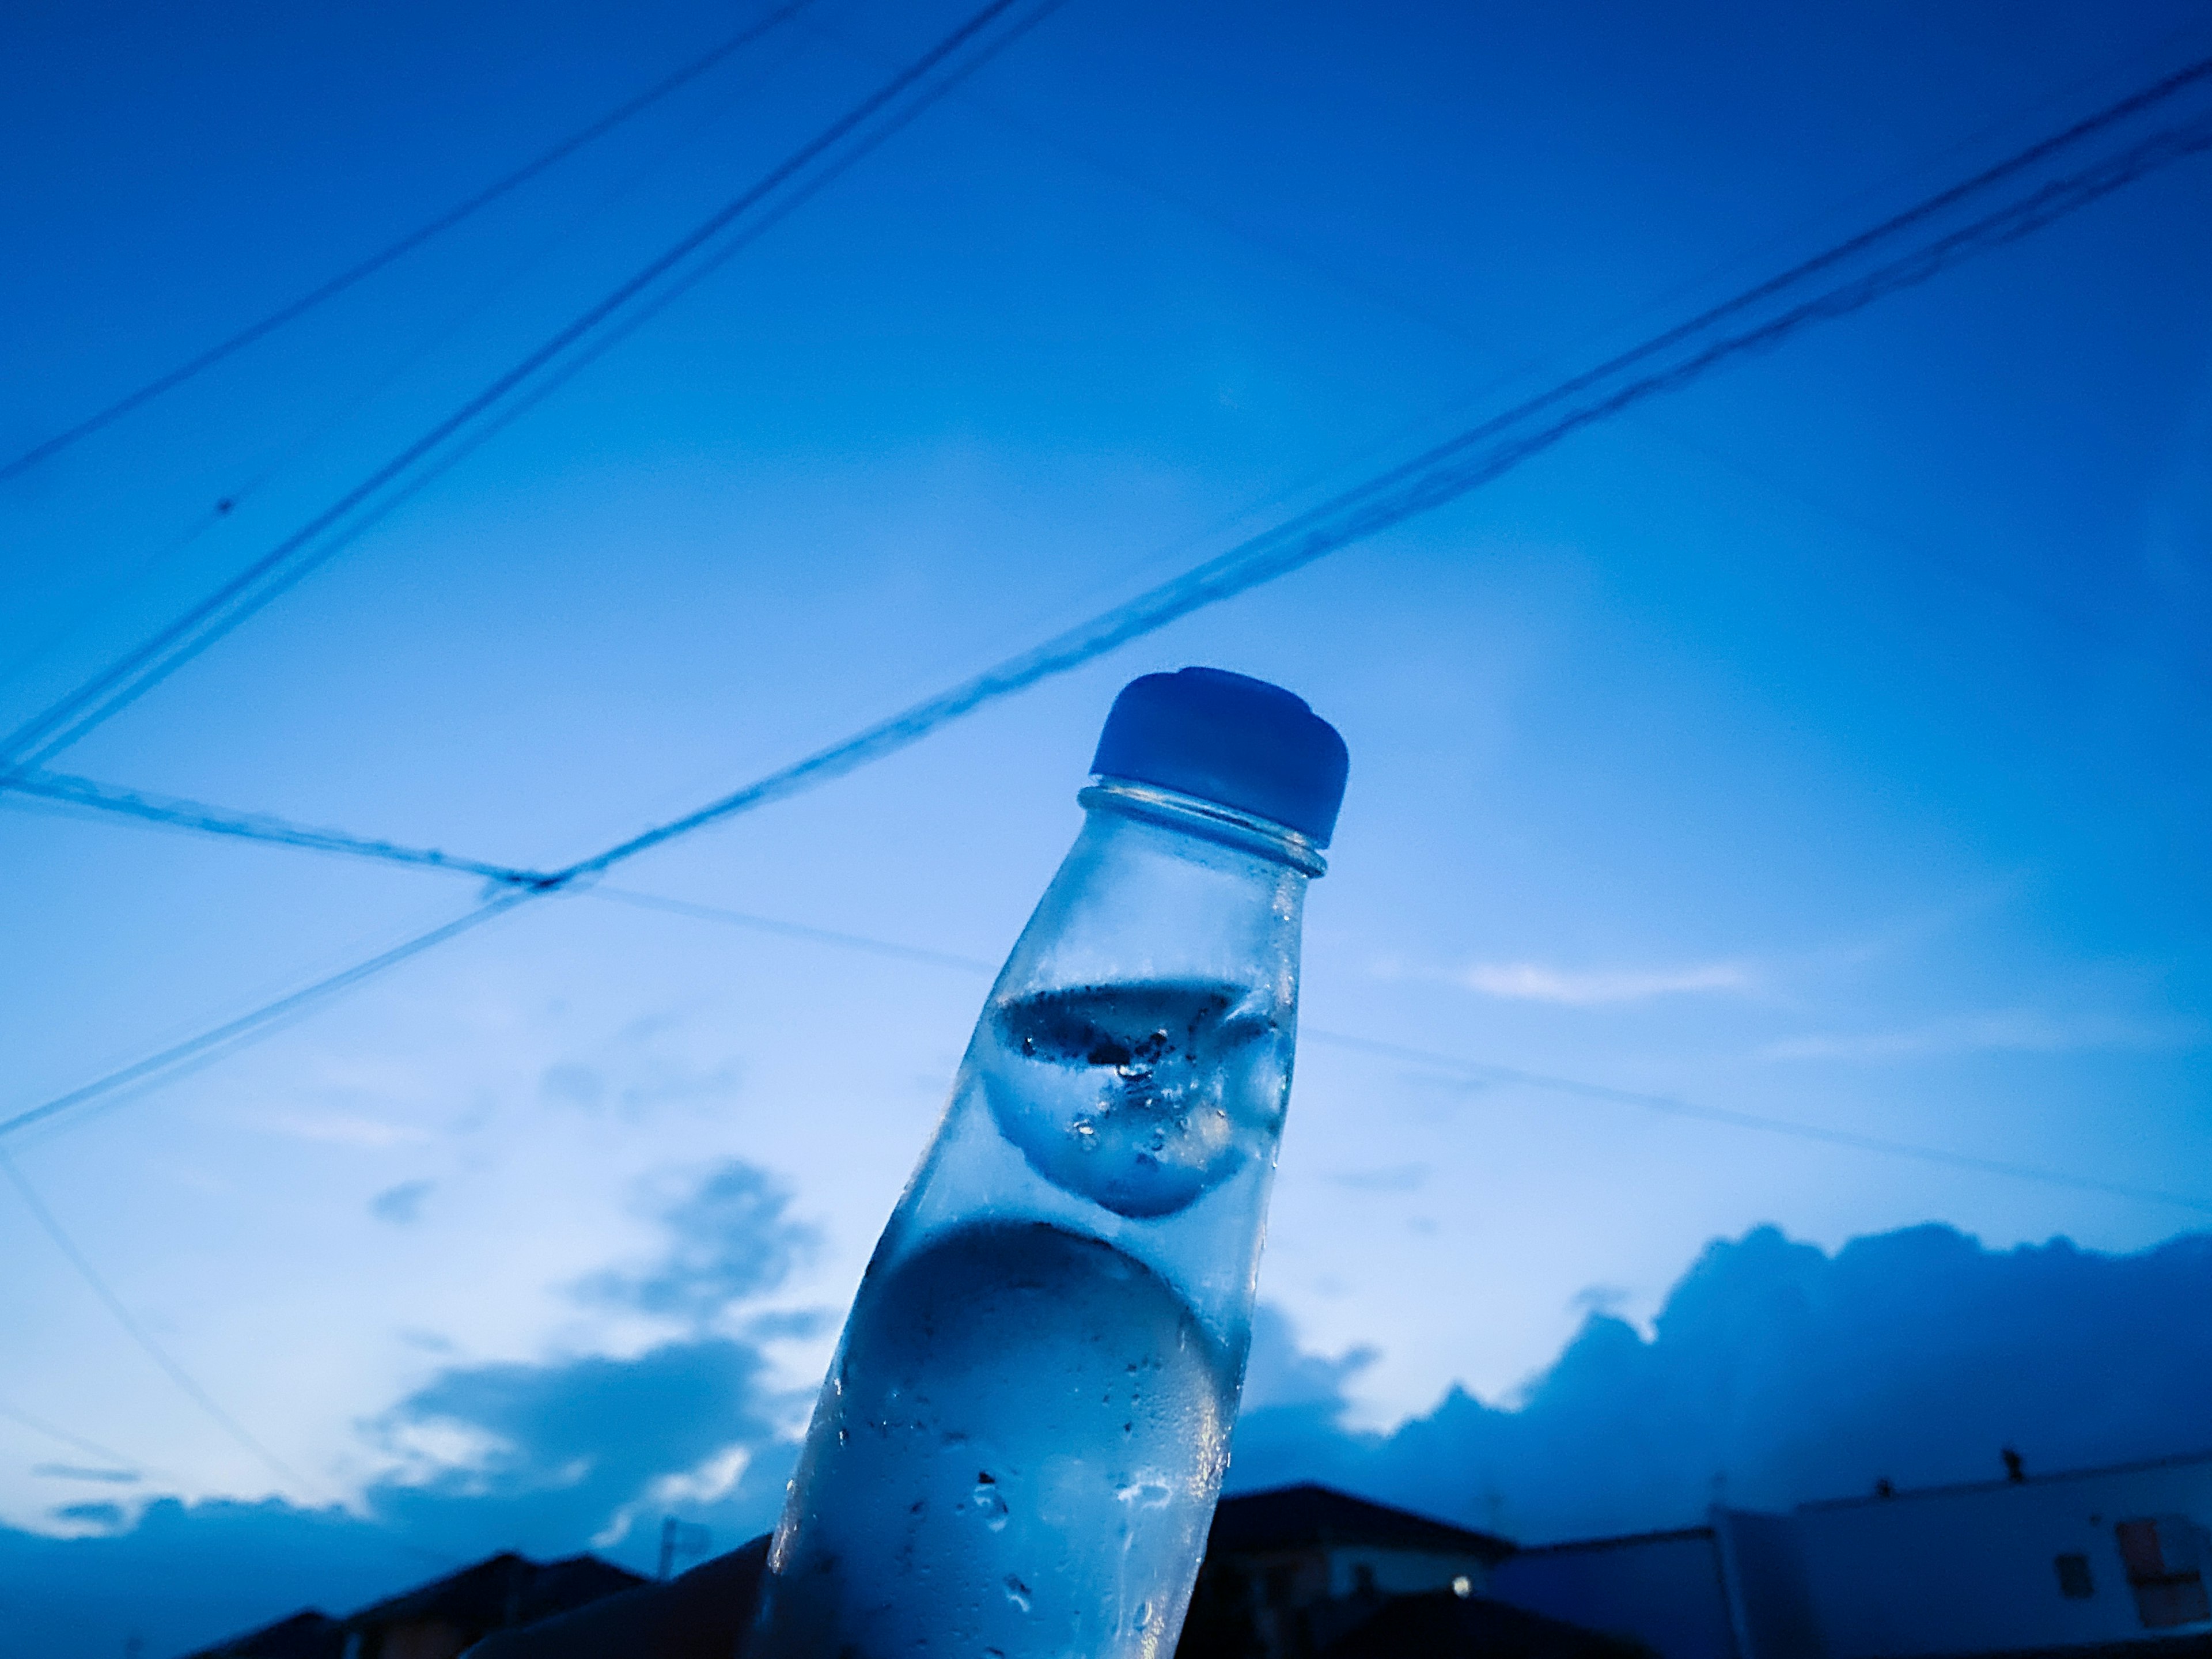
(116, 1459)
(527, 882)
(137, 1332)
(139, 669)
(65, 790)
(1857, 272)
(352, 275)
(1761, 317)
(267, 1017)
(1673, 1106)
(774, 213)
(781, 929)
(1481, 1071)
(819, 178)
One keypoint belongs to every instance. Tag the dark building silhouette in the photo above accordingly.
(309, 1635)
(1441, 1625)
(2091, 1563)
(441, 1619)
(701, 1614)
(2082, 1563)
(1289, 1571)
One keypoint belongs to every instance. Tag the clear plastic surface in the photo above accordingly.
(1018, 1449)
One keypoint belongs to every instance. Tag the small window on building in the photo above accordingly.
(2165, 1569)
(2073, 1581)
(1362, 1578)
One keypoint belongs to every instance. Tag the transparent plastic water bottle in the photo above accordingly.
(1017, 1451)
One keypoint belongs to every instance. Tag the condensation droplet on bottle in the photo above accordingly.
(1139, 1095)
(989, 1502)
(1017, 1592)
(1145, 1494)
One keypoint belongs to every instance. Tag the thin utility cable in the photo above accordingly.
(137, 1332)
(1481, 1070)
(1476, 457)
(1220, 579)
(90, 1448)
(624, 327)
(63, 789)
(856, 942)
(619, 330)
(1441, 474)
(1360, 287)
(376, 262)
(1673, 1106)
(226, 507)
(124, 681)
(266, 1019)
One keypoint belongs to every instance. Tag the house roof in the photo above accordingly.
(1303, 1516)
(2199, 1646)
(1618, 1541)
(2006, 1484)
(1443, 1626)
(309, 1634)
(704, 1611)
(501, 1590)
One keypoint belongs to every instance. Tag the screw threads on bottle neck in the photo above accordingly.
(1209, 820)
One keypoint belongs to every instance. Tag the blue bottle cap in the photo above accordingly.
(1229, 739)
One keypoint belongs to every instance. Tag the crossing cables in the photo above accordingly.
(324, 291)
(129, 677)
(2164, 124)
(524, 883)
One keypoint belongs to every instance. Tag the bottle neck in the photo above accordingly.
(1161, 886)
(1207, 819)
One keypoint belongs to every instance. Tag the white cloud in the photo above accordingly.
(2018, 1030)
(712, 1481)
(1528, 981)
(343, 1129)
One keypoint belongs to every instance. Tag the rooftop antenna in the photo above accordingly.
(678, 1538)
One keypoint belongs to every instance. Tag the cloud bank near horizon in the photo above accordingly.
(1774, 1373)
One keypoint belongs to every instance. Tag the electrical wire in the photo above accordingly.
(176, 1373)
(1473, 457)
(774, 214)
(415, 238)
(619, 330)
(138, 670)
(1361, 286)
(229, 502)
(137, 1332)
(1478, 1070)
(90, 1448)
(1443, 474)
(1447, 469)
(856, 942)
(1673, 1106)
(267, 1017)
(65, 790)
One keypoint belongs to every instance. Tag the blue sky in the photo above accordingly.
(1823, 742)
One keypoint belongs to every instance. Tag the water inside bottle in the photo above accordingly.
(1139, 1096)
(1017, 1454)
